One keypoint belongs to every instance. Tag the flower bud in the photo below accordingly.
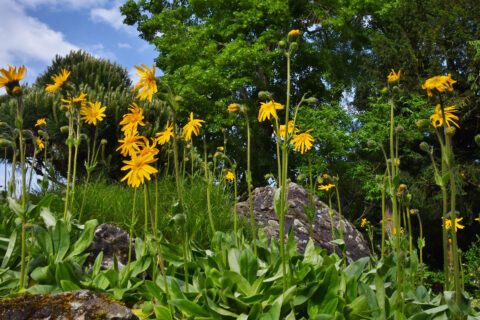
(178, 99)
(27, 226)
(189, 146)
(220, 149)
(17, 91)
(281, 44)
(371, 143)
(450, 131)
(399, 129)
(5, 143)
(269, 176)
(301, 177)
(264, 95)
(384, 90)
(319, 180)
(103, 141)
(422, 124)
(64, 129)
(311, 101)
(424, 146)
(414, 211)
(477, 139)
(293, 33)
(293, 46)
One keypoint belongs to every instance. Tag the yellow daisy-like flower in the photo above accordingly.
(93, 113)
(132, 120)
(149, 149)
(131, 144)
(232, 107)
(165, 136)
(140, 169)
(364, 222)
(147, 85)
(40, 144)
(294, 33)
(326, 187)
(41, 122)
(281, 130)
(392, 77)
(59, 80)
(268, 110)
(477, 219)
(448, 224)
(80, 100)
(11, 78)
(437, 119)
(303, 141)
(439, 83)
(193, 126)
(230, 176)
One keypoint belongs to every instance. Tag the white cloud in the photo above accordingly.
(124, 45)
(63, 4)
(111, 16)
(99, 51)
(26, 40)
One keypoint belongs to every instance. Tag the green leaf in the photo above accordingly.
(42, 274)
(97, 264)
(85, 238)
(68, 285)
(61, 241)
(48, 217)
(10, 249)
(154, 290)
(101, 282)
(162, 313)
(190, 308)
(276, 201)
(273, 313)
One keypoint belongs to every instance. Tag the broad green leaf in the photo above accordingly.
(190, 308)
(48, 217)
(162, 313)
(85, 238)
(10, 249)
(61, 241)
(67, 285)
(154, 290)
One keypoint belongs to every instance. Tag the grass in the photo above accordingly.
(112, 203)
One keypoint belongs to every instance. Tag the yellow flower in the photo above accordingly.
(76, 100)
(230, 176)
(290, 129)
(40, 122)
(139, 169)
(327, 187)
(232, 107)
(477, 219)
(221, 149)
(93, 113)
(11, 78)
(192, 126)
(440, 83)
(268, 110)
(40, 144)
(303, 141)
(364, 222)
(164, 136)
(448, 224)
(325, 176)
(392, 77)
(59, 80)
(147, 85)
(437, 119)
(131, 120)
(293, 33)
(149, 149)
(395, 231)
(130, 145)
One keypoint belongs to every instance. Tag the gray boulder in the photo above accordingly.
(73, 305)
(266, 218)
(112, 241)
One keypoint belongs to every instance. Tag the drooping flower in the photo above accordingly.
(293, 33)
(192, 126)
(303, 141)
(40, 122)
(165, 136)
(140, 169)
(281, 130)
(448, 224)
(437, 119)
(364, 222)
(40, 144)
(78, 101)
(131, 144)
(439, 83)
(326, 187)
(132, 120)
(232, 107)
(11, 78)
(93, 113)
(392, 77)
(58, 81)
(230, 176)
(268, 110)
(147, 85)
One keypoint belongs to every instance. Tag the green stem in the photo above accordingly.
(421, 247)
(22, 258)
(31, 170)
(249, 187)
(145, 231)
(339, 211)
(235, 208)
(132, 219)
(383, 216)
(84, 197)
(164, 275)
(76, 145)
(69, 144)
(185, 265)
(175, 160)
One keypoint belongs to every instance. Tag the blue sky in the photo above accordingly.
(32, 32)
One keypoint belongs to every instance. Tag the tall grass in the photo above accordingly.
(111, 202)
